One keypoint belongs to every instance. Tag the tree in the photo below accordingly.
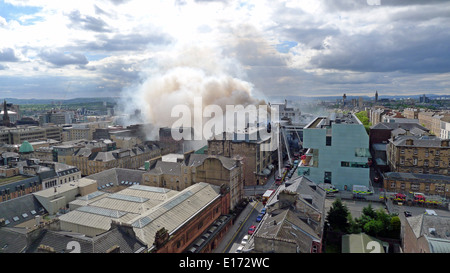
(378, 223)
(338, 216)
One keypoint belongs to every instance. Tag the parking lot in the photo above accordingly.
(355, 207)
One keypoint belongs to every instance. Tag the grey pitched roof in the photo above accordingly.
(59, 241)
(85, 152)
(418, 141)
(163, 167)
(117, 237)
(287, 227)
(435, 228)
(306, 187)
(432, 178)
(198, 159)
(12, 240)
(17, 207)
(117, 175)
(408, 126)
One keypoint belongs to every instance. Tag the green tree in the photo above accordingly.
(353, 227)
(338, 216)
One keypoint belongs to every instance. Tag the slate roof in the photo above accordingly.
(198, 159)
(18, 206)
(417, 141)
(408, 126)
(164, 167)
(432, 178)
(423, 225)
(59, 241)
(306, 187)
(287, 227)
(116, 176)
(12, 240)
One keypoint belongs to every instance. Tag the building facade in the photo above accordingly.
(338, 152)
(429, 184)
(413, 154)
(258, 163)
(194, 168)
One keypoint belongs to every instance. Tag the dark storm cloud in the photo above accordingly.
(8, 55)
(87, 22)
(61, 58)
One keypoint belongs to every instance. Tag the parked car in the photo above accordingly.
(251, 229)
(245, 240)
(407, 214)
(239, 249)
(263, 211)
(259, 218)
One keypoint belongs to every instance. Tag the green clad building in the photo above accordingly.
(338, 151)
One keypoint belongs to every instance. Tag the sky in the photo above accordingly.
(108, 48)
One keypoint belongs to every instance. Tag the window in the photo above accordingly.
(415, 151)
(415, 187)
(425, 162)
(328, 141)
(393, 185)
(402, 186)
(439, 188)
(402, 160)
(415, 161)
(426, 153)
(402, 151)
(436, 163)
(437, 152)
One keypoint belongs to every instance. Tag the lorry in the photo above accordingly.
(266, 196)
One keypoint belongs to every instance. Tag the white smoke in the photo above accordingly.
(181, 74)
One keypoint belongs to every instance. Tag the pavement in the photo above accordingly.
(239, 222)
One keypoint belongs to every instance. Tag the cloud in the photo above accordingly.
(61, 58)
(124, 42)
(87, 22)
(8, 55)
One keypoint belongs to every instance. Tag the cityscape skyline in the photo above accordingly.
(288, 48)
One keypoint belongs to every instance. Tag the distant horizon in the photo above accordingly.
(380, 96)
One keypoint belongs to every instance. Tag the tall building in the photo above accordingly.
(338, 151)
(258, 163)
(376, 96)
(5, 116)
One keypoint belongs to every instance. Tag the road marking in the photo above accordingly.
(240, 227)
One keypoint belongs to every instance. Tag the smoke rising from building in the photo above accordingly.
(181, 74)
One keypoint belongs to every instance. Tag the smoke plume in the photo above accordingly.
(178, 76)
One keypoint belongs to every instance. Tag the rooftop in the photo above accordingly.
(432, 178)
(333, 118)
(417, 141)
